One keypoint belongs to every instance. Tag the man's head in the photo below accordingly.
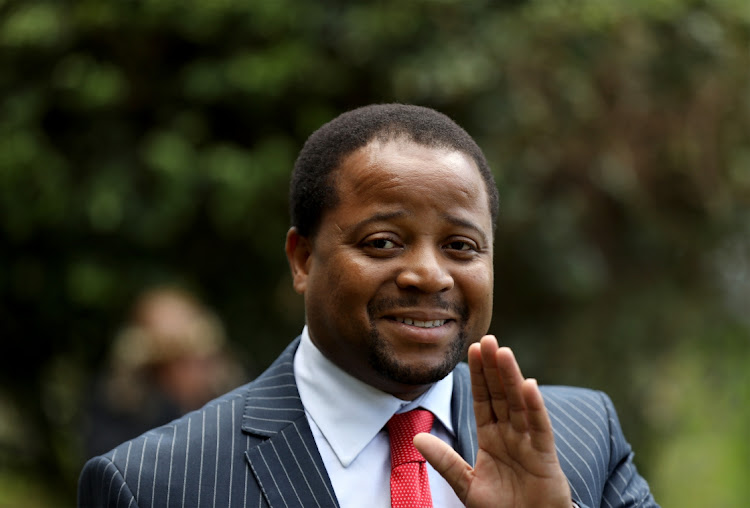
(393, 252)
(313, 185)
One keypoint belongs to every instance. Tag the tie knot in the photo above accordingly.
(402, 428)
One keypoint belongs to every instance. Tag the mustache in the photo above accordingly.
(382, 305)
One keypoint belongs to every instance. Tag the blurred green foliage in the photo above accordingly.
(145, 141)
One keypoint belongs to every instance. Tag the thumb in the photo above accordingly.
(446, 461)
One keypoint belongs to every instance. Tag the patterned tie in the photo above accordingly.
(410, 487)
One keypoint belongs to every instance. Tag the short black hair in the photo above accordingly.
(313, 190)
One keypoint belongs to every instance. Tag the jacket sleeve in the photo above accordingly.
(101, 484)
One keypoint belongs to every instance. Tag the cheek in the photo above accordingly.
(478, 282)
(477, 286)
(344, 284)
(358, 275)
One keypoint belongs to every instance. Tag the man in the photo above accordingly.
(393, 211)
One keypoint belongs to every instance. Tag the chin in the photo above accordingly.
(414, 375)
(387, 363)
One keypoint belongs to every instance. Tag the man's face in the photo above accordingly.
(398, 279)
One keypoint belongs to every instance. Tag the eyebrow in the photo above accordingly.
(457, 221)
(380, 217)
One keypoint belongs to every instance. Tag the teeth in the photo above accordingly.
(421, 324)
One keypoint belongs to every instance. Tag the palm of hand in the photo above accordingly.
(510, 473)
(517, 464)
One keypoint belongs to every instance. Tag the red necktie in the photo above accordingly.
(410, 487)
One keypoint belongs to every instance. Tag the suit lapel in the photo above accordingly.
(283, 455)
(462, 409)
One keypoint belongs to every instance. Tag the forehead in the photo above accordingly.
(401, 174)
(386, 164)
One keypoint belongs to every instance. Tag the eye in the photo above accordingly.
(381, 246)
(460, 245)
(461, 248)
(382, 243)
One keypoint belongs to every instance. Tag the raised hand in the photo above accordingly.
(516, 462)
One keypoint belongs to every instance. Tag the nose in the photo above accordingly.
(425, 269)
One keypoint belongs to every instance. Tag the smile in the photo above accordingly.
(421, 324)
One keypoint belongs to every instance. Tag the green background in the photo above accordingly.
(151, 141)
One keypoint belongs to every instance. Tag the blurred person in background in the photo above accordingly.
(170, 358)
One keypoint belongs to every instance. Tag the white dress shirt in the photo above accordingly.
(350, 433)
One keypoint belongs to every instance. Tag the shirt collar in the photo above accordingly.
(360, 411)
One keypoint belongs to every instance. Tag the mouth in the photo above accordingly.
(434, 323)
(422, 329)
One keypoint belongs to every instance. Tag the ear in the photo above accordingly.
(298, 252)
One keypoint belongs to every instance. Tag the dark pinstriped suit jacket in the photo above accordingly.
(253, 448)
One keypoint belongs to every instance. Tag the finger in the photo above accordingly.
(540, 426)
(512, 380)
(446, 461)
(482, 405)
(489, 348)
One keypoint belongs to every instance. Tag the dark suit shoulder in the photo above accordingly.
(578, 403)
(198, 458)
(224, 411)
(593, 451)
